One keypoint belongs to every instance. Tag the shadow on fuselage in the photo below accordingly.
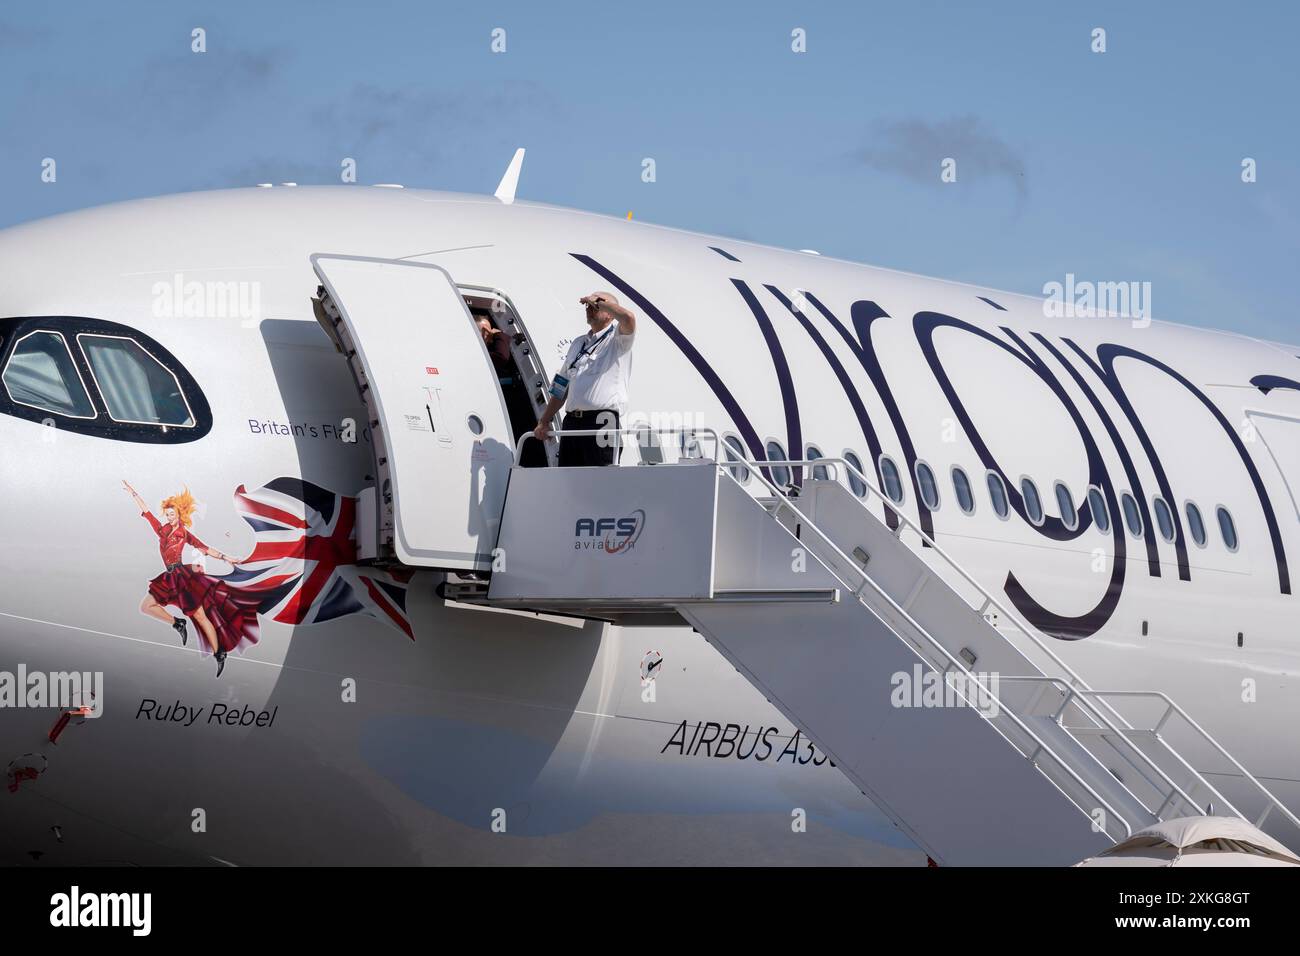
(377, 720)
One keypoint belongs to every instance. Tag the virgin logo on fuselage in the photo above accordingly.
(1094, 370)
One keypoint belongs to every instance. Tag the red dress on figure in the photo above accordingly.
(233, 613)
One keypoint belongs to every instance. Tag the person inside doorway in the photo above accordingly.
(497, 344)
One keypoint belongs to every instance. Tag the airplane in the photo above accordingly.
(182, 434)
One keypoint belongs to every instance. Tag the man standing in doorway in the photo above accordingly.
(593, 381)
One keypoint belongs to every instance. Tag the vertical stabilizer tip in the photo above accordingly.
(510, 181)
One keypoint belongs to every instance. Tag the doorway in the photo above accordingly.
(519, 373)
(1281, 436)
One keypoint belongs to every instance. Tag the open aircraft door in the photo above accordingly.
(438, 423)
(1281, 434)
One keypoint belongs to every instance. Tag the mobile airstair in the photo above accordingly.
(957, 721)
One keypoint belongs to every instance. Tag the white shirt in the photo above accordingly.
(599, 368)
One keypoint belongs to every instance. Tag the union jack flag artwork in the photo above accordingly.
(303, 567)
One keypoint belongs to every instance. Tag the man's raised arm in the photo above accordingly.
(609, 304)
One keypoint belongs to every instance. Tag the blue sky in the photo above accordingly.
(1122, 166)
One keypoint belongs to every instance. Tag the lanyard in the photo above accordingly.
(590, 348)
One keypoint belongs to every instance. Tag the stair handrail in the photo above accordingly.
(1081, 687)
(1076, 683)
(1043, 746)
(735, 461)
(990, 600)
(618, 433)
(1174, 708)
(1081, 698)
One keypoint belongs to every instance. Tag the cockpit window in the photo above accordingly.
(40, 374)
(100, 378)
(135, 386)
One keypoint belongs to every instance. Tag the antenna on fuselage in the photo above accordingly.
(510, 181)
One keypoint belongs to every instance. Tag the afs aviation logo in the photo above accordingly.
(610, 535)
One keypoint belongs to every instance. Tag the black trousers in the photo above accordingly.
(580, 450)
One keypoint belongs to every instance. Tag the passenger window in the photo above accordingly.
(1195, 524)
(1227, 528)
(41, 374)
(998, 495)
(929, 488)
(1097, 505)
(135, 386)
(1033, 504)
(1132, 517)
(1164, 518)
(735, 451)
(1065, 501)
(857, 485)
(890, 480)
(819, 472)
(961, 488)
(780, 473)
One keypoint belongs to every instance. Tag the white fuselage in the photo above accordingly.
(389, 749)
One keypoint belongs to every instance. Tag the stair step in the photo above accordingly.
(822, 607)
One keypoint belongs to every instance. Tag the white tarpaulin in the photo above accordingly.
(1197, 841)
